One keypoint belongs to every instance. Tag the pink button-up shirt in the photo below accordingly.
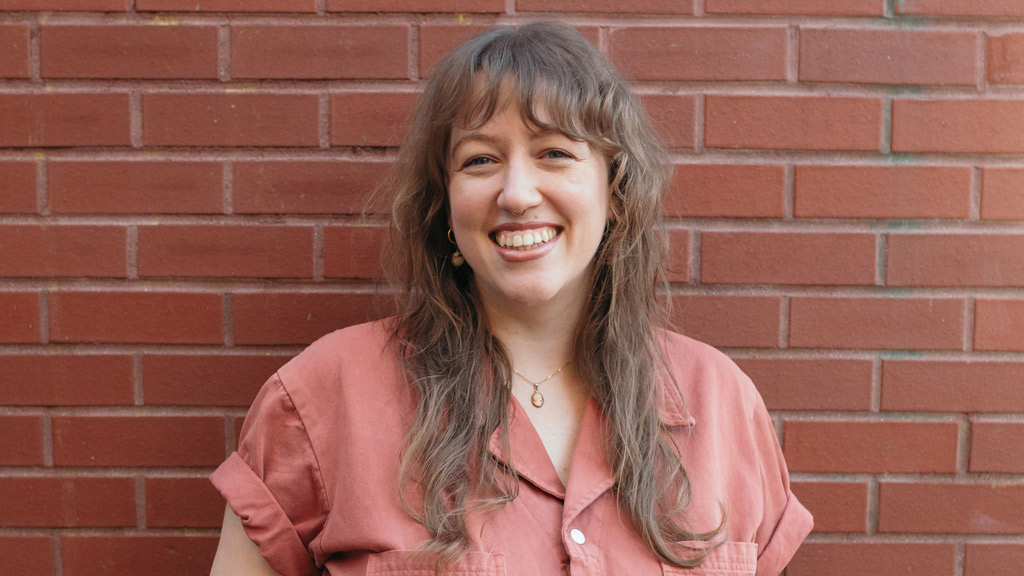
(315, 477)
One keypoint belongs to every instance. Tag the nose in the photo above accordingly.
(520, 188)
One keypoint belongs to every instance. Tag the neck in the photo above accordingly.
(538, 341)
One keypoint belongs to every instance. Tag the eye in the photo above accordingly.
(477, 161)
(557, 154)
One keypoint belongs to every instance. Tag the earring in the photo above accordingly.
(457, 259)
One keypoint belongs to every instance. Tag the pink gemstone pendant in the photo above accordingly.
(537, 399)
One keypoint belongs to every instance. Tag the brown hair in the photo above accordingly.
(458, 370)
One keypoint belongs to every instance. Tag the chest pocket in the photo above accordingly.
(729, 559)
(409, 563)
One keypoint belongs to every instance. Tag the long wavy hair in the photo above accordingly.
(459, 371)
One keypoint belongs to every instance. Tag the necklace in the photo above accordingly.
(538, 399)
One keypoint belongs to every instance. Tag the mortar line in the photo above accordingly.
(137, 374)
(44, 316)
(881, 255)
(789, 192)
(321, 7)
(58, 550)
(976, 191)
(224, 52)
(695, 243)
(700, 106)
(876, 385)
(47, 438)
(963, 457)
(318, 252)
(228, 185)
(982, 60)
(140, 501)
(958, 563)
(132, 252)
(414, 52)
(229, 320)
(970, 306)
(784, 322)
(873, 505)
(135, 118)
(792, 54)
(42, 194)
(887, 125)
(324, 119)
(699, 8)
(35, 51)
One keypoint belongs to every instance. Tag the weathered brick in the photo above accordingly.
(811, 383)
(729, 321)
(948, 386)
(148, 51)
(726, 191)
(1005, 58)
(28, 554)
(183, 502)
(18, 188)
(793, 122)
(226, 5)
(992, 507)
(867, 56)
(67, 501)
(69, 5)
(14, 41)
(836, 506)
(136, 187)
(797, 7)
(876, 323)
(230, 119)
(999, 324)
(685, 53)
(335, 187)
(66, 380)
(20, 311)
(64, 120)
(1002, 194)
(608, 6)
(787, 258)
(962, 7)
(21, 440)
(291, 318)
(461, 6)
(875, 558)
(115, 554)
(677, 266)
(370, 118)
(882, 192)
(276, 51)
(875, 447)
(226, 251)
(138, 441)
(673, 117)
(353, 251)
(206, 380)
(59, 250)
(950, 126)
(981, 559)
(136, 317)
(953, 260)
(995, 447)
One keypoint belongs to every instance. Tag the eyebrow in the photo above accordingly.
(474, 136)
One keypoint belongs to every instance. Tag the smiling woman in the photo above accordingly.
(525, 412)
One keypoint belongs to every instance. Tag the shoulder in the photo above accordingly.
(355, 345)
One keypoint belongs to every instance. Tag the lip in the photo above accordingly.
(512, 255)
(519, 226)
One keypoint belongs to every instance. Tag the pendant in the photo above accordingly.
(537, 399)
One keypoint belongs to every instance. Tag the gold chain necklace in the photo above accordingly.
(538, 399)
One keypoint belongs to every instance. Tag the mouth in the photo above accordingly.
(523, 240)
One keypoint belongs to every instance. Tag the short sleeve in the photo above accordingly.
(273, 482)
(786, 522)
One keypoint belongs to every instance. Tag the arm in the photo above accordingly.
(236, 553)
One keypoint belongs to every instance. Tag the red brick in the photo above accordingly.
(973, 126)
(730, 321)
(18, 187)
(677, 267)
(334, 187)
(962, 7)
(953, 260)
(138, 441)
(866, 56)
(62, 379)
(32, 120)
(877, 447)
(608, 6)
(793, 122)
(726, 191)
(67, 502)
(993, 559)
(876, 559)
(787, 258)
(226, 251)
(28, 554)
(148, 51)
(319, 51)
(995, 447)
(1002, 194)
(291, 318)
(797, 7)
(20, 311)
(876, 323)
(673, 117)
(138, 187)
(136, 317)
(226, 5)
(882, 192)
(999, 325)
(21, 440)
(183, 502)
(811, 383)
(115, 554)
(57, 250)
(230, 119)
(14, 41)
(942, 508)
(62, 5)
(1005, 59)
(370, 118)
(438, 40)
(353, 251)
(705, 53)
(939, 386)
(471, 6)
(184, 379)
(836, 506)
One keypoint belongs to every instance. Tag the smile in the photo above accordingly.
(525, 239)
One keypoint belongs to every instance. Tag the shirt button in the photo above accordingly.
(577, 536)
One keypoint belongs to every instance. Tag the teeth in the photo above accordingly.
(525, 240)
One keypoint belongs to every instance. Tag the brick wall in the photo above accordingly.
(180, 183)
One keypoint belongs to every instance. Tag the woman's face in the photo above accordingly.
(560, 189)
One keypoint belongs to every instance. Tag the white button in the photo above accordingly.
(577, 536)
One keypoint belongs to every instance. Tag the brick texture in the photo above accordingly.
(877, 559)
(989, 508)
(962, 7)
(20, 311)
(62, 5)
(84, 251)
(882, 192)
(999, 325)
(992, 559)
(460, 6)
(18, 187)
(946, 126)
(137, 441)
(811, 383)
(994, 447)
(183, 502)
(226, 5)
(836, 506)
(152, 317)
(21, 441)
(1002, 194)
(726, 190)
(29, 501)
(1005, 59)
(780, 258)
(952, 260)
(797, 7)
(188, 379)
(946, 386)
(14, 44)
(608, 6)
(876, 323)
(28, 554)
(220, 251)
(32, 120)
(308, 187)
(129, 51)
(369, 119)
(677, 267)
(731, 321)
(290, 318)
(115, 554)
(353, 251)
(66, 380)
(319, 51)
(673, 117)
(230, 120)
(878, 447)
(139, 187)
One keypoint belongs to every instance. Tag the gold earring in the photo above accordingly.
(457, 258)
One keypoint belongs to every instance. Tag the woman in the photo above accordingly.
(524, 413)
